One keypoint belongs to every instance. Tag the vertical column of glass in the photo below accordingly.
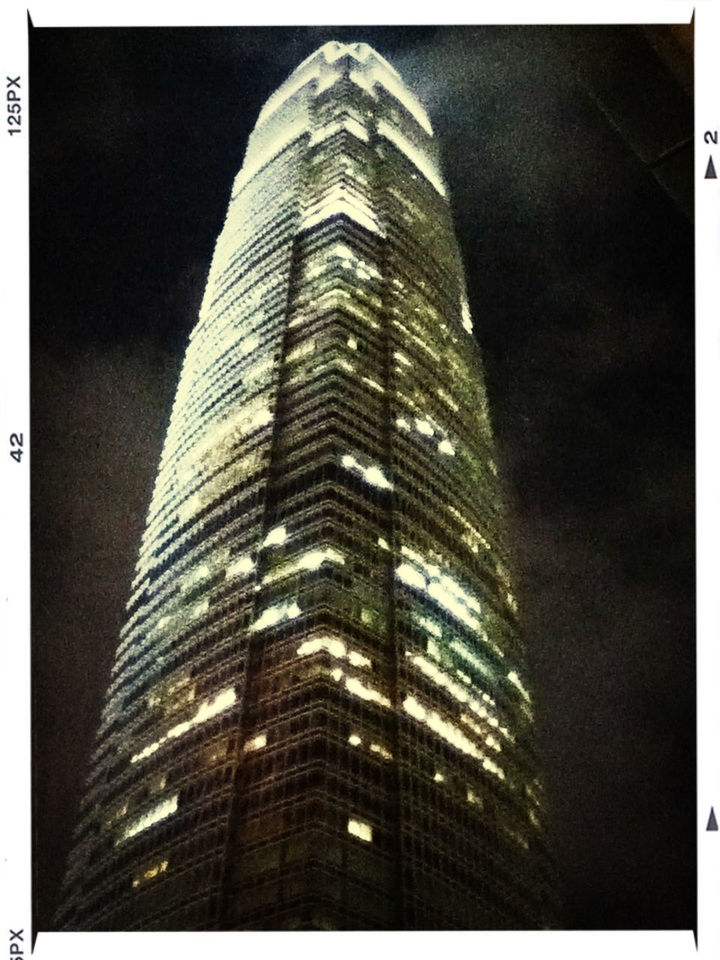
(447, 554)
(160, 791)
(316, 737)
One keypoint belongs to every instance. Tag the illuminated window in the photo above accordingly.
(470, 657)
(371, 472)
(433, 649)
(154, 815)
(359, 659)
(360, 829)
(430, 626)
(341, 200)
(450, 733)
(150, 874)
(350, 124)
(440, 586)
(302, 350)
(410, 575)
(448, 399)
(358, 689)
(374, 384)
(275, 537)
(201, 607)
(381, 751)
(256, 743)
(271, 616)
(208, 709)
(465, 315)
(240, 567)
(315, 558)
(332, 645)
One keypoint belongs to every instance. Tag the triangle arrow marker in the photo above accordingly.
(712, 821)
(710, 175)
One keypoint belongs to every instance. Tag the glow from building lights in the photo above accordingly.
(397, 89)
(268, 150)
(297, 79)
(360, 80)
(515, 679)
(326, 81)
(415, 156)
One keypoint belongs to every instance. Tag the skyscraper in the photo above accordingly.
(318, 715)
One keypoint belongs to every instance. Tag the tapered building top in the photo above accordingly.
(318, 714)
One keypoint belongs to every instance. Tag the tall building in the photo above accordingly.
(318, 715)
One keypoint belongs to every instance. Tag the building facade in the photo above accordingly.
(318, 715)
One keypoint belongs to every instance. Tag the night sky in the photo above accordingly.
(580, 272)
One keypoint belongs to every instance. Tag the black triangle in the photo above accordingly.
(710, 175)
(712, 822)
